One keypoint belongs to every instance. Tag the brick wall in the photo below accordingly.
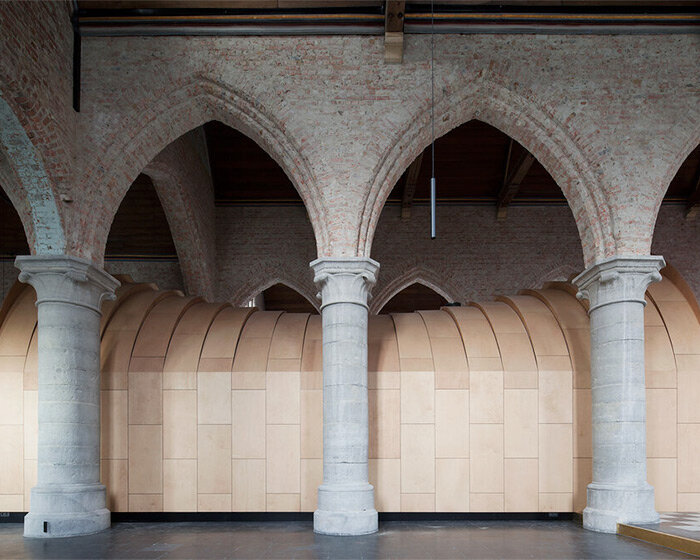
(677, 239)
(610, 117)
(473, 257)
(37, 121)
(166, 274)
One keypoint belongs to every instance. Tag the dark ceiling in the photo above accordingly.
(282, 298)
(412, 298)
(242, 171)
(140, 226)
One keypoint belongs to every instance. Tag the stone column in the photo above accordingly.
(619, 492)
(346, 498)
(68, 499)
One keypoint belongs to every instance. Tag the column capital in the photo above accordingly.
(618, 279)
(344, 280)
(67, 279)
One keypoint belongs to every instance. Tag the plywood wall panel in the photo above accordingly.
(11, 389)
(18, 326)
(452, 485)
(249, 485)
(521, 487)
(385, 476)
(184, 350)
(469, 409)
(384, 424)
(158, 327)
(224, 332)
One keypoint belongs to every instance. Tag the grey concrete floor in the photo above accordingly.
(416, 540)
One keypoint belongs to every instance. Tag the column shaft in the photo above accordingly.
(68, 499)
(345, 499)
(619, 491)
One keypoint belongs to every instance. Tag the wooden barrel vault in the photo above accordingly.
(485, 407)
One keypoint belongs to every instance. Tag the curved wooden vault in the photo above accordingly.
(486, 407)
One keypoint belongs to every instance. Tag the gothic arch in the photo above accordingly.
(416, 275)
(170, 117)
(246, 294)
(523, 120)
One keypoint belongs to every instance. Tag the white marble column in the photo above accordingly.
(68, 499)
(346, 498)
(619, 492)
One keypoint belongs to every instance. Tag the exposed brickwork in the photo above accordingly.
(473, 257)
(260, 246)
(180, 175)
(344, 125)
(610, 117)
(37, 140)
(166, 274)
(677, 239)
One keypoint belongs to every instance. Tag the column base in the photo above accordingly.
(610, 505)
(346, 510)
(68, 510)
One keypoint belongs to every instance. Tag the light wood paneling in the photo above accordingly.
(520, 425)
(214, 459)
(283, 459)
(384, 424)
(184, 350)
(417, 458)
(249, 485)
(248, 424)
(466, 413)
(452, 424)
(180, 485)
(179, 424)
(486, 458)
(385, 476)
(521, 487)
(452, 485)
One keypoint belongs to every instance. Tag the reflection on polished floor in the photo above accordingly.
(395, 539)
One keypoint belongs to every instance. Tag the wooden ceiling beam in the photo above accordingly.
(409, 188)
(393, 32)
(692, 207)
(511, 186)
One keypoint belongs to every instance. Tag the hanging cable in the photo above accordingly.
(432, 120)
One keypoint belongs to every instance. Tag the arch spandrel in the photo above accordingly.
(414, 275)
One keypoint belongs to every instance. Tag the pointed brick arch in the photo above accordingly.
(416, 275)
(522, 119)
(144, 133)
(246, 294)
